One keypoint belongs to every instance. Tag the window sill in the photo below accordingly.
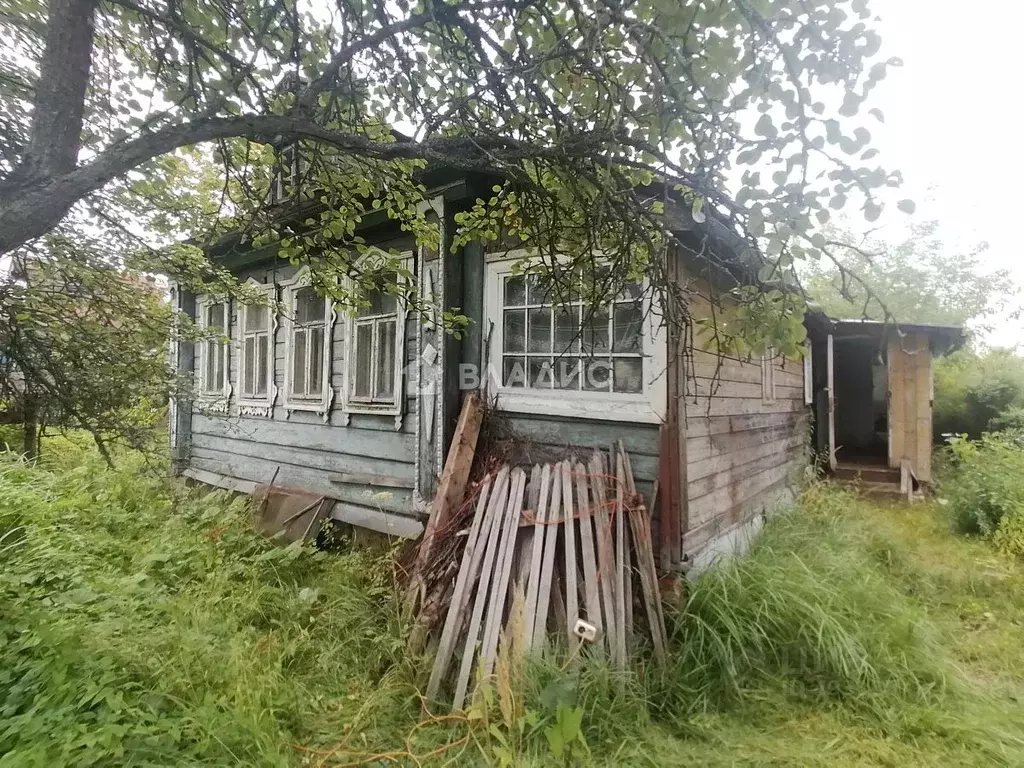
(581, 405)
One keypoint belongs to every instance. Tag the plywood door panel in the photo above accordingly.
(910, 431)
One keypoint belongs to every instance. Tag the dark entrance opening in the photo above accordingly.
(861, 403)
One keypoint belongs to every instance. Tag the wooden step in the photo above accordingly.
(867, 474)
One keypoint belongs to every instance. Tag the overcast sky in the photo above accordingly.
(953, 122)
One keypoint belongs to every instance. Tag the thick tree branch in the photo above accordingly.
(55, 133)
(38, 208)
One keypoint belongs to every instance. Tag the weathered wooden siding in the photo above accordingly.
(743, 450)
(554, 435)
(305, 451)
(910, 403)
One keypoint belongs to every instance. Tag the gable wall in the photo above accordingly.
(744, 454)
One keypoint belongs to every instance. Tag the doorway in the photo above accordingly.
(861, 402)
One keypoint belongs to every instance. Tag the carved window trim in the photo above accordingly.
(352, 404)
(258, 406)
(211, 400)
(291, 402)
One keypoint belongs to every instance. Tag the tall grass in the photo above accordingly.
(144, 623)
(807, 611)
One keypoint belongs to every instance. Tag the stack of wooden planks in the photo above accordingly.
(574, 540)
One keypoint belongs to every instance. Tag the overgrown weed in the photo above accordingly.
(145, 623)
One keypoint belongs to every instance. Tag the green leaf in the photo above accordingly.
(697, 210)
(907, 206)
(765, 127)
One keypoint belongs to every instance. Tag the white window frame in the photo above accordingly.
(352, 404)
(213, 400)
(648, 406)
(768, 376)
(322, 404)
(257, 406)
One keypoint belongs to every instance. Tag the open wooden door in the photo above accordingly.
(910, 408)
(831, 401)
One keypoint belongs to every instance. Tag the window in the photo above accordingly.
(571, 358)
(287, 174)
(375, 349)
(308, 347)
(256, 356)
(214, 352)
(570, 346)
(768, 375)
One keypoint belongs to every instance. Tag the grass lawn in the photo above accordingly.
(143, 623)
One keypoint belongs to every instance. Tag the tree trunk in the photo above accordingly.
(56, 133)
(30, 424)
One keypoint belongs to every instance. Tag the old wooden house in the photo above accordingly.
(361, 408)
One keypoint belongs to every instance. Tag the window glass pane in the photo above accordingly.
(256, 318)
(564, 288)
(262, 343)
(595, 331)
(514, 372)
(215, 317)
(515, 291)
(221, 366)
(364, 358)
(539, 321)
(596, 375)
(514, 332)
(309, 306)
(210, 376)
(628, 324)
(380, 301)
(631, 292)
(567, 329)
(299, 363)
(536, 293)
(539, 372)
(316, 360)
(628, 374)
(248, 373)
(386, 333)
(567, 372)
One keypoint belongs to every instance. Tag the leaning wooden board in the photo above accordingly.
(499, 499)
(472, 558)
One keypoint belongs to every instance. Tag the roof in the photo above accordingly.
(943, 338)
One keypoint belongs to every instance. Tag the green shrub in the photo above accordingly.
(1008, 537)
(973, 391)
(1011, 419)
(983, 481)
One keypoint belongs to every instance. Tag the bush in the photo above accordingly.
(1011, 419)
(984, 481)
(973, 392)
